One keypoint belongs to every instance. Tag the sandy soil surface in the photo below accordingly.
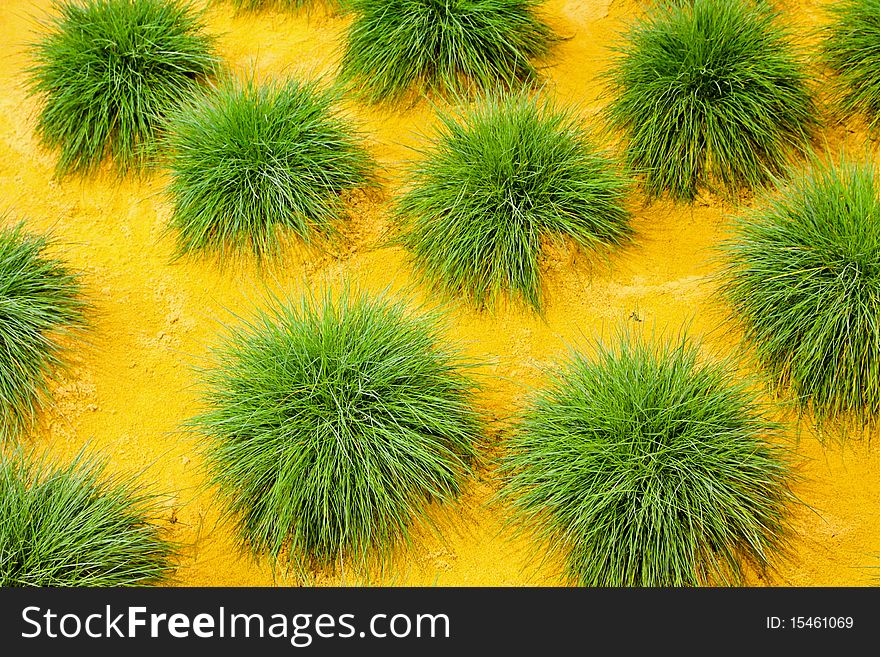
(128, 392)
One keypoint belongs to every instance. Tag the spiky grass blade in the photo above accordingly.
(74, 526)
(646, 467)
(109, 71)
(252, 162)
(443, 46)
(499, 180)
(850, 50)
(332, 423)
(802, 279)
(40, 301)
(709, 94)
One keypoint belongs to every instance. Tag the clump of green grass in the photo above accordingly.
(710, 94)
(850, 50)
(262, 4)
(289, 4)
(109, 71)
(648, 467)
(802, 278)
(40, 302)
(443, 46)
(332, 424)
(73, 526)
(252, 161)
(501, 179)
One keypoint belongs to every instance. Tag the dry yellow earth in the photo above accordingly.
(128, 392)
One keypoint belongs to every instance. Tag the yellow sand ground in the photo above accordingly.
(127, 394)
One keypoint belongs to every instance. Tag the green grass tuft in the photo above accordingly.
(109, 71)
(850, 50)
(332, 424)
(253, 161)
(442, 46)
(646, 467)
(262, 4)
(709, 94)
(40, 301)
(500, 180)
(72, 526)
(802, 277)
(252, 5)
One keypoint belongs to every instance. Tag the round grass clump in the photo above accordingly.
(109, 72)
(444, 46)
(40, 302)
(709, 94)
(850, 50)
(278, 4)
(802, 278)
(251, 162)
(72, 526)
(332, 424)
(648, 467)
(499, 181)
